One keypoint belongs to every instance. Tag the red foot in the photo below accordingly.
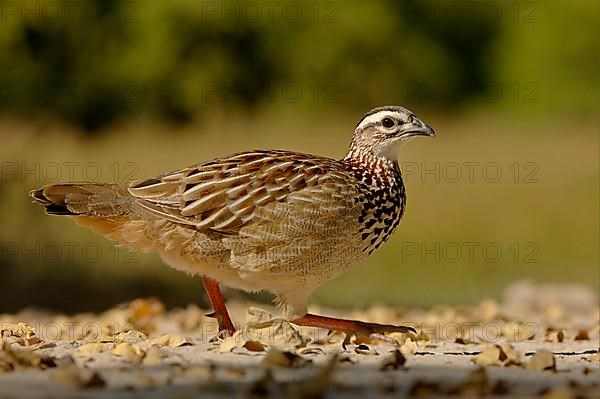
(349, 326)
(220, 313)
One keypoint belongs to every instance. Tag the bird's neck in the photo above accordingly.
(369, 163)
(381, 192)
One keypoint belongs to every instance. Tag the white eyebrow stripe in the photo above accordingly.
(378, 116)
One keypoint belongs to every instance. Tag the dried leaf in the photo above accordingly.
(278, 358)
(593, 358)
(257, 315)
(311, 350)
(274, 332)
(363, 349)
(499, 355)
(153, 356)
(553, 335)
(516, 331)
(254, 346)
(12, 359)
(409, 347)
(163, 340)
(401, 338)
(32, 341)
(334, 338)
(489, 356)
(179, 340)
(143, 312)
(542, 360)
(510, 356)
(18, 330)
(21, 333)
(229, 344)
(171, 340)
(93, 347)
(394, 360)
(131, 336)
(128, 351)
(421, 336)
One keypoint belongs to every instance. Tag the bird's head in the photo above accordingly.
(384, 130)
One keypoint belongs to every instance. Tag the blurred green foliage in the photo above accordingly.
(92, 62)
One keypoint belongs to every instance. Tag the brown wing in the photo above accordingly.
(223, 195)
(314, 232)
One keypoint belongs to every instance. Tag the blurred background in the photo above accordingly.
(118, 90)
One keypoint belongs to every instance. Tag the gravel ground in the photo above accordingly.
(538, 341)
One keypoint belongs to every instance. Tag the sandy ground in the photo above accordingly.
(538, 341)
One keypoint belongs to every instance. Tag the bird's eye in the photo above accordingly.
(387, 122)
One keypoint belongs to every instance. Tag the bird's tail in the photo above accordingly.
(104, 208)
(83, 199)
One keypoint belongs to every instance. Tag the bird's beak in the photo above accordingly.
(417, 128)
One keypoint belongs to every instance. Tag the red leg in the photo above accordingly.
(353, 326)
(218, 304)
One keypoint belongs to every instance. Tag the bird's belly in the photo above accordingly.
(286, 263)
(216, 270)
(274, 271)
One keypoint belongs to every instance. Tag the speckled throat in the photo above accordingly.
(381, 195)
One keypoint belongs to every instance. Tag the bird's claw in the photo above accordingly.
(221, 335)
(224, 332)
(368, 329)
(376, 331)
(383, 338)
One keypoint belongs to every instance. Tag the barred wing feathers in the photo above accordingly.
(228, 194)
